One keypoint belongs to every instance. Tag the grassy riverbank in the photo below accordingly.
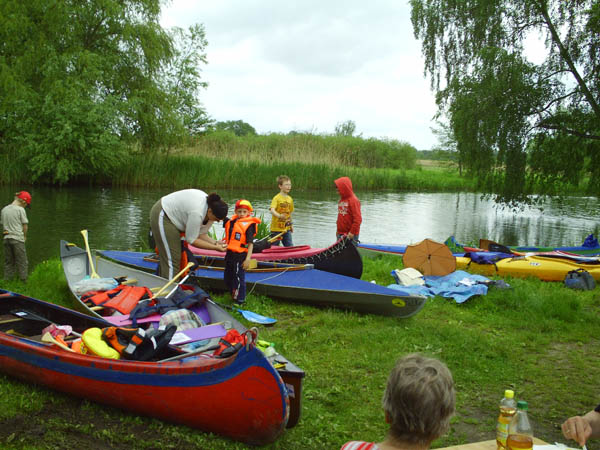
(540, 339)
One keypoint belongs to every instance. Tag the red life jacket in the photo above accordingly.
(123, 298)
(99, 297)
(230, 344)
(236, 234)
(128, 298)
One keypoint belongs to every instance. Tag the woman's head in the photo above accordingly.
(217, 207)
(419, 399)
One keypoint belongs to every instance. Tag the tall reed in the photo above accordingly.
(304, 148)
(179, 172)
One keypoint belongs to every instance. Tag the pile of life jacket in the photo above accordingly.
(123, 298)
(123, 343)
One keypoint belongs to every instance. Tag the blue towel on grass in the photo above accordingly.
(459, 285)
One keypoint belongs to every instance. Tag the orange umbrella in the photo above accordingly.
(429, 258)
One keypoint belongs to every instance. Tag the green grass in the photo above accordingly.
(540, 339)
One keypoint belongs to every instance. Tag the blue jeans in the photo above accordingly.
(286, 239)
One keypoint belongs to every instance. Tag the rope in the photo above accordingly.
(269, 278)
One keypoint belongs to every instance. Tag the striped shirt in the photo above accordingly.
(360, 445)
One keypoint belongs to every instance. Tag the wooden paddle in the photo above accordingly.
(192, 353)
(84, 233)
(24, 314)
(161, 290)
(48, 338)
(172, 280)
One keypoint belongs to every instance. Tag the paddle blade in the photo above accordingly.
(256, 318)
(28, 315)
(47, 337)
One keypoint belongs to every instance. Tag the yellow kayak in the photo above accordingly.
(544, 268)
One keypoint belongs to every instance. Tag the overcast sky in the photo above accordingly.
(283, 65)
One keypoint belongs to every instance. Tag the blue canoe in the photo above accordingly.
(302, 284)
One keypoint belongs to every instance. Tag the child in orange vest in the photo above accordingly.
(239, 236)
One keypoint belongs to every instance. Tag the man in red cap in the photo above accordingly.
(14, 230)
(239, 235)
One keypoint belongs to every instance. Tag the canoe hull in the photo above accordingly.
(342, 257)
(311, 286)
(76, 266)
(544, 268)
(241, 397)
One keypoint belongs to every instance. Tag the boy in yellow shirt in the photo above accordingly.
(282, 207)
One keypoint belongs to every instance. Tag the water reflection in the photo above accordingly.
(118, 218)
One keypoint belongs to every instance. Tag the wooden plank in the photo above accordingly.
(198, 334)
(9, 318)
(124, 320)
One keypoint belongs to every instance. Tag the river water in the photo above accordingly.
(118, 218)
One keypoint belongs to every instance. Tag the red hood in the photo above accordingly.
(344, 185)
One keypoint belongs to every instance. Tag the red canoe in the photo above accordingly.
(242, 397)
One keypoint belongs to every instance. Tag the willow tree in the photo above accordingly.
(517, 123)
(82, 82)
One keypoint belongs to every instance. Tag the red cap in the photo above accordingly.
(25, 196)
(243, 204)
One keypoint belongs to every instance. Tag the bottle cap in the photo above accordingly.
(522, 404)
(509, 393)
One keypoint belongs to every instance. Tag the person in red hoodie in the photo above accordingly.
(349, 216)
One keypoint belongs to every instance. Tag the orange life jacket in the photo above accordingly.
(123, 339)
(123, 298)
(99, 297)
(128, 298)
(235, 232)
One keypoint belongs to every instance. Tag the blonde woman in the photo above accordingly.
(418, 403)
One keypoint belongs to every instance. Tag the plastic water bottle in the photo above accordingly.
(508, 408)
(520, 433)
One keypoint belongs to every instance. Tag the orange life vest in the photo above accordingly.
(128, 298)
(236, 234)
(123, 298)
(123, 339)
(99, 297)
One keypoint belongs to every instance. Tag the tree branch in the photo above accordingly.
(555, 100)
(567, 57)
(549, 126)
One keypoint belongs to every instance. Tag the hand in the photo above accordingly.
(350, 236)
(577, 428)
(246, 264)
(220, 246)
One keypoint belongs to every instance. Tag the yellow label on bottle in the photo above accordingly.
(502, 433)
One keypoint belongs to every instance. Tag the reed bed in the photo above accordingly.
(179, 172)
(304, 148)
